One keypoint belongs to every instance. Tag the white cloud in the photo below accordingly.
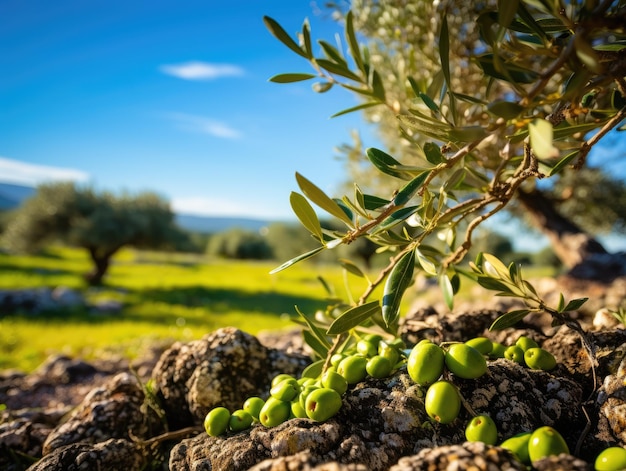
(208, 206)
(23, 173)
(196, 70)
(200, 124)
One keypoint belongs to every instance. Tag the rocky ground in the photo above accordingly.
(72, 415)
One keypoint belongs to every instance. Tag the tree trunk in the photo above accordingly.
(581, 253)
(101, 263)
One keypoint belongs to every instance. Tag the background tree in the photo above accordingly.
(403, 38)
(101, 223)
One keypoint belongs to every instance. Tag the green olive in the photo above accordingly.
(240, 420)
(274, 412)
(611, 459)
(544, 442)
(305, 392)
(366, 348)
(389, 351)
(322, 404)
(298, 410)
(514, 353)
(482, 428)
(526, 342)
(280, 378)
(333, 380)
(539, 359)
(497, 350)
(216, 421)
(465, 361)
(425, 363)
(253, 406)
(285, 390)
(353, 368)
(336, 359)
(518, 445)
(379, 367)
(442, 402)
(482, 344)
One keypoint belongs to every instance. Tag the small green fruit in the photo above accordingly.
(216, 421)
(482, 429)
(539, 359)
(497, 350)
(482, 344)
(442, 402)
(297, 410)
(333, 380)
(353, 368)
(526, 342)
(545, 441)
(425, 363)
(305, 392)
(518, 445)
(378, 367)
(274, 412)
(240, 420)
(322, 404)
(336, 359)
(389, 351)
(514, 353)
(465, 361)
(253, 406)
(366, 348)
(280, 378)
(286, 390)
(611, 459)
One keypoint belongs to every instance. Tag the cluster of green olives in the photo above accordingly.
(540, 443)
(317, 398)
(525, 351)
(426, 364)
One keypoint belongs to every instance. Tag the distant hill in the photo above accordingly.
(12, 195)
(212, 224)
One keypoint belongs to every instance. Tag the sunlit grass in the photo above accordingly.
(164, 297)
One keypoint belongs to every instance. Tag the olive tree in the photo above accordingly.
(101, 223)
(486, 100)
(402, 44)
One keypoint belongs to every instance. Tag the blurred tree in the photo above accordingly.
(99, 222)
(402, 39)
(237, 243)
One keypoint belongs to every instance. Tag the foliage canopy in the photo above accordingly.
(547, 84)
(99, 222)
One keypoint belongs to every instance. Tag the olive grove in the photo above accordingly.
(101, 223)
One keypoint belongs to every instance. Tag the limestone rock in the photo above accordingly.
(222, 369)
(112, 411)
(110, 454)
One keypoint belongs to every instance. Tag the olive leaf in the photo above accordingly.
(306, 214)
(279, 33)
(397, 282)
(509, 319)
(541, 135)
(290, 78)
(320, 198)
(297, 259)
(353, 317)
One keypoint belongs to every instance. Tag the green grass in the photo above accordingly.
(166, 297)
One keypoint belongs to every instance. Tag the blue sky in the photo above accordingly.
(167, 96)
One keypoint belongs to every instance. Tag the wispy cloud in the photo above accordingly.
(208, 206)
(16, 171)
(197, 70)
(203, 125)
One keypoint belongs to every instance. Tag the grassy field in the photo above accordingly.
(165, 297)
